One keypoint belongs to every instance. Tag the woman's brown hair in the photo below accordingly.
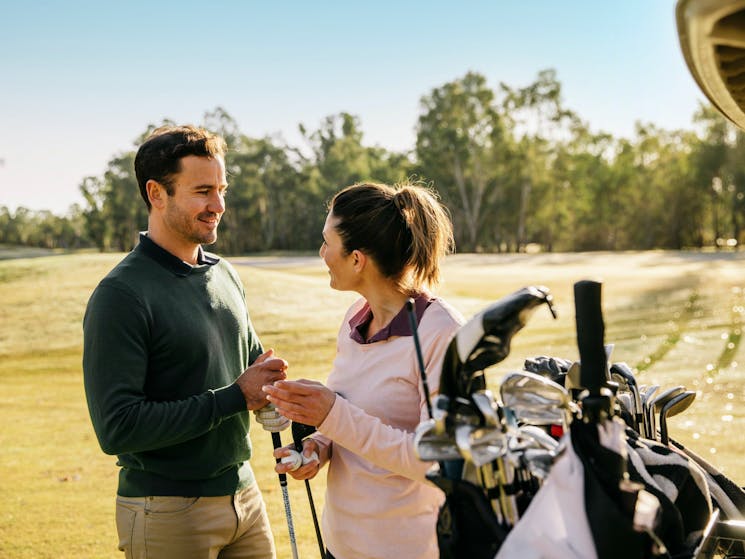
(403, 228)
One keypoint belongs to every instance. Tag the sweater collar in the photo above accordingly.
(170, 261)
(399, 326)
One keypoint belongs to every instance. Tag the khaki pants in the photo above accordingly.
(230, 527)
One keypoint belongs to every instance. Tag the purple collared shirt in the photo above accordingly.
(399, 326)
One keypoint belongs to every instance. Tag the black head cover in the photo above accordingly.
(485, 340)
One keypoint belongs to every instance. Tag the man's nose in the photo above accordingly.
(216, 203)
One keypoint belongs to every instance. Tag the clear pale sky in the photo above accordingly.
(79, 81)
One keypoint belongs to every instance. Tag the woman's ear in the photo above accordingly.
(359, 260)
(155, 193)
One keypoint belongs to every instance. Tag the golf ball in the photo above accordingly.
(294, 459)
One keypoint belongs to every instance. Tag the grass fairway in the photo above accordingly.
(675, 317)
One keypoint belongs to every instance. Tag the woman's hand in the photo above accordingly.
(310, 467)
(301, 401)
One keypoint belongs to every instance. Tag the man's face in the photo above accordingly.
(193, 212)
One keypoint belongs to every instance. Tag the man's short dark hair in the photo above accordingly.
(159, 157)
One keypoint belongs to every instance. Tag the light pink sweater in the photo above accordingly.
(378, 503)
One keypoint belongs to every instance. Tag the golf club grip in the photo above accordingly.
(277, 443)
(590, 335)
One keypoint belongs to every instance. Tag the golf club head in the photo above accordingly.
(572, 380)
(679, 403)
(647, 393)
(621, 371)
(463, 441)
(626, 401)
(665, 396)
(538, 462)
(432, 445)
(538, 437)
(676, 405)
(487, 407)
(534, 399)
(486, 445)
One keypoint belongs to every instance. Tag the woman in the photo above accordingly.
(386, 244)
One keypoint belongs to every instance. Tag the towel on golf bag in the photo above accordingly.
(726, 495)
(680, 486)
(580, 511)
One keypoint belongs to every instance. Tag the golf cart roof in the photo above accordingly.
(712, 38)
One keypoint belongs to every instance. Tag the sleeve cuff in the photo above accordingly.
(229, 400)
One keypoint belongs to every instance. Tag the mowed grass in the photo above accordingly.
(675, 317)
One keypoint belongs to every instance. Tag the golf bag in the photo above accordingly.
(604, 491)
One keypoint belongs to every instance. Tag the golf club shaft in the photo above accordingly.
(299, 447)
(277, 443)
(415, 334)
(321, 548)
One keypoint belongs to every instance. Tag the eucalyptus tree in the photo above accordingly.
(123, 207)
(462, 147)
(335, 157)
(97, 225)
(266, 205)
(540, 124)
(720, 166)
(337, 153)
(712, 166)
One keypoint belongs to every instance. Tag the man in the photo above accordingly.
(167, 348)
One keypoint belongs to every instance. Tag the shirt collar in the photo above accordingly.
(170, 261)
(399, 326)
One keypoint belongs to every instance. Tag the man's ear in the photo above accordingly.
(156, 193)
(359, 259)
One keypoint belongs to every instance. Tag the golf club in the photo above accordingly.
(622, 372)
(299, 432)
(420, 359)
(277, 443)
(673, 407)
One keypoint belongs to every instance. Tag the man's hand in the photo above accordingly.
(266, 370)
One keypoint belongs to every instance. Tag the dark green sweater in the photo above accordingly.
(163, 345)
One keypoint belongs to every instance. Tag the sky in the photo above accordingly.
(81, 80)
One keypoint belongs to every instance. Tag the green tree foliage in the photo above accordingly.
(515, 167)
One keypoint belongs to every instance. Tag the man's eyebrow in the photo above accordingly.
(207, 185)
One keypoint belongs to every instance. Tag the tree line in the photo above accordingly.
(515, 167)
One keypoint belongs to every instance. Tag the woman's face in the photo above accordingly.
(340, 264)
